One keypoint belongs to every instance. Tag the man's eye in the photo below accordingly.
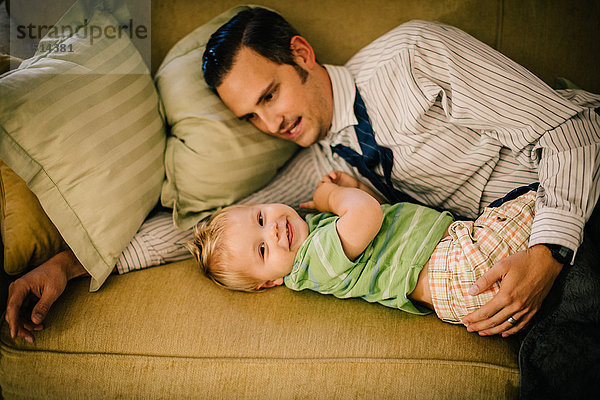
(261, 249)
(260, 219)
(269, 97)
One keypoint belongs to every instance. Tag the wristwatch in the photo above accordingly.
(562, 254)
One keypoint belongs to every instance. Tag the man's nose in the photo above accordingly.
(271, 122)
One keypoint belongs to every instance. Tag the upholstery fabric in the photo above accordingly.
(189, 338)
(212, 157)
(83, 130)
(29, 238)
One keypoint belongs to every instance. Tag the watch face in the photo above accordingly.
(560, 253)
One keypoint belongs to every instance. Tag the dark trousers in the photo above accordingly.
(559, 356)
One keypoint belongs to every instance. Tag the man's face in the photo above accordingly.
(276, 100)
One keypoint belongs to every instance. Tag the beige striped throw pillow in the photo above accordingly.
(212, 159)
(82, 128)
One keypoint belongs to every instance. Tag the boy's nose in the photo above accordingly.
(275, 231)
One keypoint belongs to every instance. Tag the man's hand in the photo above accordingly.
(526, 278)
(40, 287)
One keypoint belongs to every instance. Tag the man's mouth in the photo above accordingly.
(293, 131)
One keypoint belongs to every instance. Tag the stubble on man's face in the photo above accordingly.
(276, 98)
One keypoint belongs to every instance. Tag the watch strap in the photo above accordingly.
(562, 254)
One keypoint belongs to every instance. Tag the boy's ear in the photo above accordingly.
(304, 55)
(270, 284)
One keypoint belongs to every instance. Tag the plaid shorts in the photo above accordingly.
(471, 249)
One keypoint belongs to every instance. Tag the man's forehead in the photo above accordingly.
(250, 76)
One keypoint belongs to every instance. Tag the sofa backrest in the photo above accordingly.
(557, 38)
(552, 39)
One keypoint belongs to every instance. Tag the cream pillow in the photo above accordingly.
(212, 159)
(83, 130)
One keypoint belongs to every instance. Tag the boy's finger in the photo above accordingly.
(308, 204)
(336, 175)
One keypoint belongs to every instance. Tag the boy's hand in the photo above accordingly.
(320, 199)
(343, 179)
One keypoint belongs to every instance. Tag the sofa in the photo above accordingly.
(168, 332)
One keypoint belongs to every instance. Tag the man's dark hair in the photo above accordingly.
(261, 30)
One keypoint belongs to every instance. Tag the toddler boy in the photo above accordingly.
(404, 256)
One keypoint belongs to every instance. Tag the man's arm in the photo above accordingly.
(479, 88)
(45, 283)
(559, 137)
(360, 215)
(569, 183)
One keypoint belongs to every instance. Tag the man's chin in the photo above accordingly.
(307, 139)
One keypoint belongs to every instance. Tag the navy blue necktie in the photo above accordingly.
(372, 155)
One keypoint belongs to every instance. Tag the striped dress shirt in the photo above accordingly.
(466, 126)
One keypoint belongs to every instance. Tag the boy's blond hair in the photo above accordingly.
(210, 250)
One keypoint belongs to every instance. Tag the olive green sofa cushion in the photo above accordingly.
(169, 332)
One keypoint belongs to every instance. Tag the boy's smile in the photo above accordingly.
(264, 240)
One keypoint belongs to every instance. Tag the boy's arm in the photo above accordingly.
(360, 215)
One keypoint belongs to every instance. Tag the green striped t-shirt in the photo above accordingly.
(386, 272)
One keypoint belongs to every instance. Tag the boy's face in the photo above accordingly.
(264, 240)
(274, 98)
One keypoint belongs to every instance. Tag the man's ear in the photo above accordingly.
(304, 55)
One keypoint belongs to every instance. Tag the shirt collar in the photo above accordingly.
(344, 91)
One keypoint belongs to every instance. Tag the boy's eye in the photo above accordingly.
(261, 250)
(260, 219)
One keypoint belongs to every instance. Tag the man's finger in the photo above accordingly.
(486, 281)
(39, 312)
(25, 335)
(33, 327)
(501, 322)
(16, 296)
(522, 321)
(478, 318)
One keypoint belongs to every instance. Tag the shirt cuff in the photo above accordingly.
(554, 226)
(139, 254)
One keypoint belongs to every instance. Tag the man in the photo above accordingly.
(458, 125)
